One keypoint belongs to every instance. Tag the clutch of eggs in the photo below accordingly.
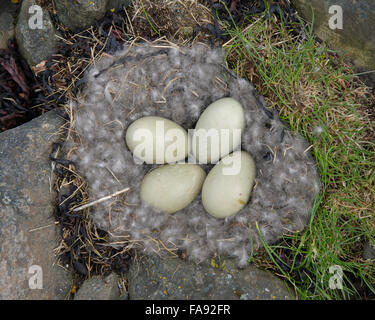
(172, 187)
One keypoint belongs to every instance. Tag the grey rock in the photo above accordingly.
(356, 39)
(7, 22)
(28, 234)
(97, 288)
(35, 43)
(124, 296)
(115, 4)
(80, 14)
(369, 251)
(153, 278)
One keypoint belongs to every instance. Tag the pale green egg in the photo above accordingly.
(218, 130)
(157, 140)
(172, 187)
(228, 185)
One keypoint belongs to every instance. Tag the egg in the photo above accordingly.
(172, 187)
(228, 185)
(218, 130)
(157, 140)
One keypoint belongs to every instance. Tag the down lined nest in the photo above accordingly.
(178, 83)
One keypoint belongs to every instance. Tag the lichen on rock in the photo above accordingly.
(28, 234)
(80, 14)
(355, 39)
(35, 42)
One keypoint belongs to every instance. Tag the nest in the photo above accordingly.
(178, 83)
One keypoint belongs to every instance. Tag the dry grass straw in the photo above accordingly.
(172, 20)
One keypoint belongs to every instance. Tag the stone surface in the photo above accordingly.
(356, 39)
(7, 23)
(35, 44)
(26, 203)
(80, 14)
(98, 289)
(118, 4)
(153, 278)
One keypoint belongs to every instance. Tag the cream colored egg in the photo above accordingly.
(172, 187)
(218, 130)
(228, 185)
(157, 140)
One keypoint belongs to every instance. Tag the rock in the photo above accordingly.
(124, 296)
(118, 4)
(28, 234)
(356, 38)
(368, 251)
(168, 279)
(35, 43)
(98, 289)
(80, 14)
(7, 27)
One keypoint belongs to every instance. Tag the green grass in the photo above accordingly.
(318, 97)
(148, 19)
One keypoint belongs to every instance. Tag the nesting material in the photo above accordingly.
(178, 84)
